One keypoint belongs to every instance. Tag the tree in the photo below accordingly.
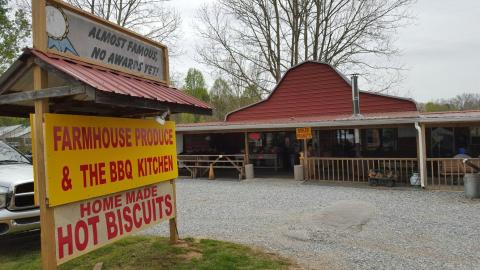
(462, 102)
(148, 17)
(273, 35)
(466, 101)
(194, 86)
(14, 29)
(222, 99)
(249, 96)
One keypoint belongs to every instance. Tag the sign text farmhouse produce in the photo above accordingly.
(88, 157)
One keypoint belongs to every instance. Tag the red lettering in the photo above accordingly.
(128, 219)
(113, 171)
(64, 240)
(81, 226)
(66, 139)
(93, 221)
(168, 204)
(76, 133)
(112, 230)
(136, 222)
(56, 137)
(84, 208)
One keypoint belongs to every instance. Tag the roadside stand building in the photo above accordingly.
(354, 133)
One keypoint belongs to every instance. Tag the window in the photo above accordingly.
(475, 135)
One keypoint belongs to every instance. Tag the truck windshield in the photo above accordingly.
(10, 155)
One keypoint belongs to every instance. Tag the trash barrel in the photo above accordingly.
(471, 183)
(249, 174)
(298, 172)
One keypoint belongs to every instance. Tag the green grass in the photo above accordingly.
(141, 252)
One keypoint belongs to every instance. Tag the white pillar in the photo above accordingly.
(422, 153)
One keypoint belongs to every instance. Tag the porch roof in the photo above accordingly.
(371, 119)
(77, 87)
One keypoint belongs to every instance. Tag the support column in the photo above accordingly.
(247, 158)
(48, 251)
(422, 153)
(358, 143)
(173, 221)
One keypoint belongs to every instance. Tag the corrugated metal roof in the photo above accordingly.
(333, 121)
(309, 121)
(109, 80)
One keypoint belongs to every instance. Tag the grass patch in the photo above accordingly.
(142, 252)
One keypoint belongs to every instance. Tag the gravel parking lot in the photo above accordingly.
(335, 227)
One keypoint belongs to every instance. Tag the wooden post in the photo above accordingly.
(247, 159)
(305, 159)
(47, 222)
(173, 221)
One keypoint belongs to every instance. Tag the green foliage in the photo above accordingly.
(142, 252)
(462, 102)
(250, 95)
(10, 121)
(436, 107)
(195, 85)
(14, 29)
(222, 99)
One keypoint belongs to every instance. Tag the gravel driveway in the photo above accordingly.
(334, 227)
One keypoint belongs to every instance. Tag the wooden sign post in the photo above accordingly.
(304, 134)
(79, 213)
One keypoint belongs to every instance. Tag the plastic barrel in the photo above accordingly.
(472, 185)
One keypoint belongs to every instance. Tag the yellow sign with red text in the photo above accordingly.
(88, 157)
(304, 133)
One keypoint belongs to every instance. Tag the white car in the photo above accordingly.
(17, 208)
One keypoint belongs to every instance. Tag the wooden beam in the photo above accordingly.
(55, 71)
(54, 92)
(17, 70)
(117, 100)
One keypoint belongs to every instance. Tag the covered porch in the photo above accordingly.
(432, 145)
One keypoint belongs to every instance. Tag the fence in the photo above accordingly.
(447, 172)
(198, 165)
(356, 169)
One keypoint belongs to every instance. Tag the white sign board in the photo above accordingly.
(71, 33)
(87, 225)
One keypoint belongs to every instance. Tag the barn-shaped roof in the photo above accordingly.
(76, 87)
(317, 89)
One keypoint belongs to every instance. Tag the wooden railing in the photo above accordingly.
(447, 172)
(199, 165)
(356, 169)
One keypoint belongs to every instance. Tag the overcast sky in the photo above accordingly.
(440, 49)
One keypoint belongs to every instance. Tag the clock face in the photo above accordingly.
(56, 23)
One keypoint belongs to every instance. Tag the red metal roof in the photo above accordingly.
(109, 80)
(317, 89)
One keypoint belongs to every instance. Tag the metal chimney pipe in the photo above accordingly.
(355, 95)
